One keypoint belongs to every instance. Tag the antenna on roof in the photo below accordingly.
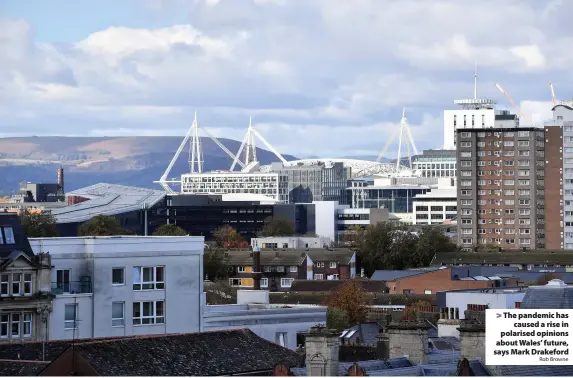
(475, 81)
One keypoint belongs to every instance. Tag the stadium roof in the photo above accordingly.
(106, 199)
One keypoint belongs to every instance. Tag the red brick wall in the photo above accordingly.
(440, 280)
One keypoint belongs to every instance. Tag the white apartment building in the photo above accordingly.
(271, 185)
(438, 205)
(475, 113)
(124, 285)
(290, 242)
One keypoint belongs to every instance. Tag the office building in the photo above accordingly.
(124, 285)
(438, 205)
(435, 163)
(501, 187)
(272, 185)
(314, 181)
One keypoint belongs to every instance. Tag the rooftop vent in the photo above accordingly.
(556, 282)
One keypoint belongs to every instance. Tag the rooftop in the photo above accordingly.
(106, 199)
(18, 241)
(289, 257)
(555, 295)
(509, 257)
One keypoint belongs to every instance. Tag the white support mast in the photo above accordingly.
(249, 141)
(195, 155)
(405, 138)
(195, 151)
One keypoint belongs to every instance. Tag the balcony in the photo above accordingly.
(72, 287)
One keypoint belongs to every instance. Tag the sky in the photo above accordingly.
(322, 78)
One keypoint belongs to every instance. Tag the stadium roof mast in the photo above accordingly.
(404, 137)
(249, 141)
(195, 154)
(475, 103)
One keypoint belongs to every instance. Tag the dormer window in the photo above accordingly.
(7, 235)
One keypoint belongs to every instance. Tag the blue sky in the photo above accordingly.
(319, 77)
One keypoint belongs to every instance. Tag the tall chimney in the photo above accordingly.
(256, 268)
(61, 178)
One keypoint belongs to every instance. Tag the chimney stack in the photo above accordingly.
(408, 339)
(322, 352)
(61, 178)
(256, 268)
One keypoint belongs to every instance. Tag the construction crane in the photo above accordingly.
(553, 94)
(508, 97)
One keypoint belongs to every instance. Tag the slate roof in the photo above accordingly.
(332, 285)
(339, 255)
(243, 257)
(21, 368)
(367, 333)
(22, 244)
(192, 354)
(369, 366)
(536, 371)
(555, 295)
(539, 256)
(392, 275)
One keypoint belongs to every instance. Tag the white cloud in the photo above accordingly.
(320, 77)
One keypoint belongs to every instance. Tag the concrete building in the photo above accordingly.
(435, 163)
(272, 185)
(275, 323)
(453, 305)
(33, 192)
(438, 205)
(501, 187)
(559, 178)
(122, 286)
(318, 181)
(290, 242)
(25, 297)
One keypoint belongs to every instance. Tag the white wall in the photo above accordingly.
(326, 218)
(181, 257)
(265, 321)
(450, 130)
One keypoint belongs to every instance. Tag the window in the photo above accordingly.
(427, 291)
(508, 143)
(523, 143)
(241, 269)
(466, 163)
(63, 280)
(466, 192)
(466, 134)
(118, 276)
(286, 282)
(149, 312)
(466, 202)
(70, 316)
(293, 269)
(27, 324)
(27, 283)
(333, 265)
(16, 283)
(523, 133)
(117, 314)
(4, 284)
(148, 278)
(8, 237)
(280, 269)
(282, 339)
(264, 282)
(318, 276)
(15, 325)
(466, 154)
(465, 144)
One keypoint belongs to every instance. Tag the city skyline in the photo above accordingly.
(307, 72)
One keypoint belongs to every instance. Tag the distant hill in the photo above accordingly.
(136, 161)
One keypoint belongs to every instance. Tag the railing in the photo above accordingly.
(71, 287)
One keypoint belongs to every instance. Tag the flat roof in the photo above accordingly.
(106, 199)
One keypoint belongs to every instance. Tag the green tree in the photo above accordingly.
(215, 264)
(375, 246)
(431, 240)
(352, 237)
(38, 225)
(220, 292)
(351, 302)
(102, 225)
(336, 319)
(169, 230)
(277, 227)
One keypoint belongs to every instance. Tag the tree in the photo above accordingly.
(277, 227)
(220, 292)
(215, 264)
(352, 236)
(351, 301)
(38, 225)
(336, 319)
(375, 246)
(102, 225)
(169, 230)
(431, 240)
(226, 236)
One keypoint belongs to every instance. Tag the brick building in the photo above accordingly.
(435, 280)
(281, 267)
(501, 198)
